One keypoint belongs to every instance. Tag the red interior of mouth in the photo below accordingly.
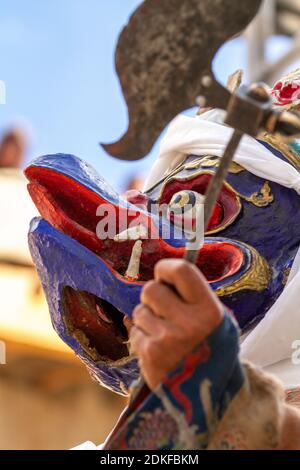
(96, 324)
(71, 208)
(226, 209)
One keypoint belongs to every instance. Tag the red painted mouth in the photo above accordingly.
(71, 208)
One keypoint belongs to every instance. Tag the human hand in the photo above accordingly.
(178, 311)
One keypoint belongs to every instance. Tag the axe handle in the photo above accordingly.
(214, 190)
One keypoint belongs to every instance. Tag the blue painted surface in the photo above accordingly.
(61, 262)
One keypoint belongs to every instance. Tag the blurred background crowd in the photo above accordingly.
(62, 95)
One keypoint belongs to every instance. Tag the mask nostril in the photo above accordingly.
(220, 260)
(96, 324)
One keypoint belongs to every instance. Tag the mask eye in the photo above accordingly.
(178, 191)
(182, 209)
(185, 201)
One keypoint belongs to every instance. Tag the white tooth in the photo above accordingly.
(133, 270)
(132, 233)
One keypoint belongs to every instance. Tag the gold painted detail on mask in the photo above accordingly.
(193, 165)
(286, 274)
(257, 278)
(235, 168)
(262, 198)
(210, 161)
(283, 148)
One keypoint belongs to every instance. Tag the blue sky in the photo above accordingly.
(57, 60)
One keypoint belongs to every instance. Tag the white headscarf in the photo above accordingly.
(202, 135)
(270, 344)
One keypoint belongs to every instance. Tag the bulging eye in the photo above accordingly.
(177, 192)
(185, 201)
(184, 208)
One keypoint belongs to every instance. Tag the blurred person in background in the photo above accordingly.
(16, 210)
(12, 149)
(135, 183)
(133, 190)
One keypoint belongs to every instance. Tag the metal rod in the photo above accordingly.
(214, 190)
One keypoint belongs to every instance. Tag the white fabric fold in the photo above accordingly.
(273, 339)
(201, 136)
